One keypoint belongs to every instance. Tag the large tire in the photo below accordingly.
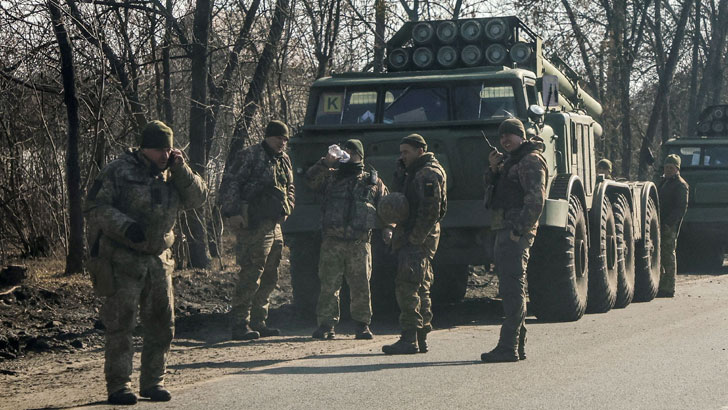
(450, 285)
(625, 251)
(304, 255)
(602, 261)
(558, 269)
(384, 271)
(647, 257)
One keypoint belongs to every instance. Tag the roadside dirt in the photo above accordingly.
(51, 342)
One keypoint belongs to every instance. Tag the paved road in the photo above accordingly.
(666, 354)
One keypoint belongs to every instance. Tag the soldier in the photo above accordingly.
(604, 167)
(131, 210)
(519, 180)
(421, 178)
(348, 215)
(256, 196)
(673, 192)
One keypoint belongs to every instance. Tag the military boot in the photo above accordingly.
(522, 344)
(363, 331)
(324, 332)
(264, 330)
(500, 355)
(156, 393)
(123, 397)
(422, 340)
(242, 331)
(407, 344)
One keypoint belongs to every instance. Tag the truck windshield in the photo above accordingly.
(706, 156)
(346, 106)
(415, 104)
(480, 101)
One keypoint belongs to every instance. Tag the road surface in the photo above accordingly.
(666, 354)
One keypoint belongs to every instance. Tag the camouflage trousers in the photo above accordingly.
(351, 260)
(413, 282)
(259, 256)
(144, 286)
(511, 260)
(668, 259)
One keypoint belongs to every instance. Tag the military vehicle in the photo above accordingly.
(704, 165)
(454, 82)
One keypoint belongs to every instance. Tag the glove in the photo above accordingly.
(135, 233)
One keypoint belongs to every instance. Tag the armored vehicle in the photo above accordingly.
(704, 165)
(454, 82)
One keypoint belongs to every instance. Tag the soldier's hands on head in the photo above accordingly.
(387, 235)
(176, 158)
(135, 233)
(495, 158)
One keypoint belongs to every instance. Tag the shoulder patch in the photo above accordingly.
(429, 189)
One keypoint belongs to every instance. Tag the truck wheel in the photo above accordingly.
(384, 270)
(450, 284)
(304, 251)
(625, 251)
(602, 261)
(558, 270)
(647, 257)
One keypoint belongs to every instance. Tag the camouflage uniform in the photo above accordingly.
(130, 190)
(348, 215)
(519, 196)
(259, 184)
(673, 192)
(424, 184)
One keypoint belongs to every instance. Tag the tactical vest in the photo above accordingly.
(349, 210)
(508, 193)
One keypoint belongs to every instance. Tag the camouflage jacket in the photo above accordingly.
(350, 198)
(130, 189)
(673, 194)
(424, 183)
(261, 179)
(520, 189)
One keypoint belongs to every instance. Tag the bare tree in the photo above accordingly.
(74, 258)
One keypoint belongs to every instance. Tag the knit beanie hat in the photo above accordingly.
(276, 128)
(605, 163)
(356, 146)
(157, 134)
(512, 126)
(415, 140)
(673, 159)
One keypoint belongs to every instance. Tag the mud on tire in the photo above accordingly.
(625, 251)
(557, 271)
(647, 257)
(602, 261)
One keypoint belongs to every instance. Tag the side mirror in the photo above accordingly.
(536, 113)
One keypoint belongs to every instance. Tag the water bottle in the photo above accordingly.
(338, 153)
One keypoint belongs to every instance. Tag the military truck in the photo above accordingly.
(454, 82)
(704, 165)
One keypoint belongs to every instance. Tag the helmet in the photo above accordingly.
(393, 208)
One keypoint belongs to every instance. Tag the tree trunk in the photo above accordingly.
(74, 259)
(199, 256)
(168, 112)
(255, 91)
(693, 91)
(380, 10)
(709, 87)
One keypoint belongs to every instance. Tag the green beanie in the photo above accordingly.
(157, 134)
(673, 159)
(356, 146)
(276, 128)
(512, 126)
(415, 140)
(605, 163)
